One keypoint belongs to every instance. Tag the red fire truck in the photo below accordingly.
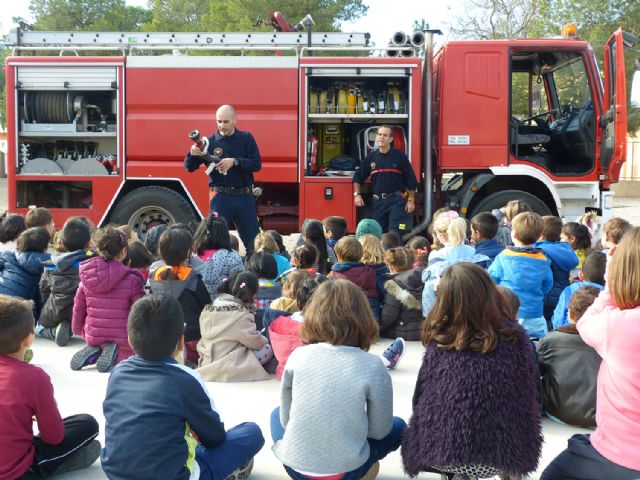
(98, 123)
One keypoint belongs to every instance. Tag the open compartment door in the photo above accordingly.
(614, 145)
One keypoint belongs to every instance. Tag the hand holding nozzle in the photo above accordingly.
(202, 144)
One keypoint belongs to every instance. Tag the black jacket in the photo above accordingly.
(58, 286)
(569, 373)
(402, 309)
(189, 290)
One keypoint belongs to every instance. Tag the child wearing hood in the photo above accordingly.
(107, 290)
(182, 282)
(60, 281)
(563, 260)
(20, 271)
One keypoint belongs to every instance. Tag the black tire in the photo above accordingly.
(500, 199)
(146, 207)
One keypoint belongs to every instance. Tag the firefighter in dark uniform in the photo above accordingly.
(231, 180)
(393, 183)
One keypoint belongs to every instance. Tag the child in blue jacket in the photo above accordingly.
(20, 271)
(526, 271)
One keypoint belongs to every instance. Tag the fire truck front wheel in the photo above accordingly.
(147, 207)
(500, 199)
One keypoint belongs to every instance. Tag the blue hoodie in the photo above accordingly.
(527, 272)
(563, 260)
(560, 314)
(490, 248)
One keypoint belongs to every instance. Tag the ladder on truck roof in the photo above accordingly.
(20, 39)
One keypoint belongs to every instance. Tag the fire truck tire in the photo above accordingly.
(146, 207)
(500, 199)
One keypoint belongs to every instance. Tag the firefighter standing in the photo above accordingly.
(231, 180)
(391, 175)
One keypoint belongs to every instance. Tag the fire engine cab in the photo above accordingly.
(98, 123)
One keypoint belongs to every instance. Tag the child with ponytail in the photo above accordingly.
(106, 292)
(231, 349)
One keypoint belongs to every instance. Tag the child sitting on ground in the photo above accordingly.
(477, 393)
(212, 242)
(303, 257)
(12, 226)
(592, 275)
(484, 228)
(373, 256)
(159, 419)
(451, 230)
(578, 237)
(402, 310)
(349, 266)
(569, 367)
(231, 349)
(613, 231)
(332, 375)
(41, 217)
(26, 394)
(335, 227)
(420, 246)
(313, 232)
(525, 270)
(265, 242)
(20, 271)
(612, 327)
(281, 248)
(60, 281)
(284, 330)
(101, 306)
(181, 282)
(291, 285)
(266, 269)
(563, 259)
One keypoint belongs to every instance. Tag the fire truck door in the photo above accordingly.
(614, 145)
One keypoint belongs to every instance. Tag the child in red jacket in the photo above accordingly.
(106, 292)
(26, 394)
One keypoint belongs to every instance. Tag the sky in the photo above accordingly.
(385, 17)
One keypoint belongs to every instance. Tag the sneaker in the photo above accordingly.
(82, 458)
(45, 332)
(394, 352)
(63, 333)
(84, 357)
(107, 358)
(373, 472)
(28, 355)
(242, 472)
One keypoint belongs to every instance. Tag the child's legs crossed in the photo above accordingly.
(241, 444)
(79, 431)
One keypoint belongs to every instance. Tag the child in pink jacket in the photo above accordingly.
(612, 327)
(107, 290)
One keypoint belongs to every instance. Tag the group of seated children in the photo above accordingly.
(475, 305)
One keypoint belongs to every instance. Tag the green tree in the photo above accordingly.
(494, 19)
(98, 15)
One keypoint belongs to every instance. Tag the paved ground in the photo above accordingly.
(84, 391)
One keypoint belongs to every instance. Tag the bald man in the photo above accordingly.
(231, 180)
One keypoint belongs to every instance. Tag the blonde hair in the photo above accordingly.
(623, 275)
(372, 252)
(514, 207)
(451, 226)
(400, 259)
(527, 227)
(265, 242)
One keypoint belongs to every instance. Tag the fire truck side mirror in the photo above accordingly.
(635, 86)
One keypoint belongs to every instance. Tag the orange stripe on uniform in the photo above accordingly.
(538, 255)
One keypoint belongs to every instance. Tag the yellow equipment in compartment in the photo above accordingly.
(330, 143)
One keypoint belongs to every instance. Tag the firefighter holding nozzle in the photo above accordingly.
(231, 156)
(393, 183)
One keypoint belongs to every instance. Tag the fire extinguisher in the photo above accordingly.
(312, 153)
